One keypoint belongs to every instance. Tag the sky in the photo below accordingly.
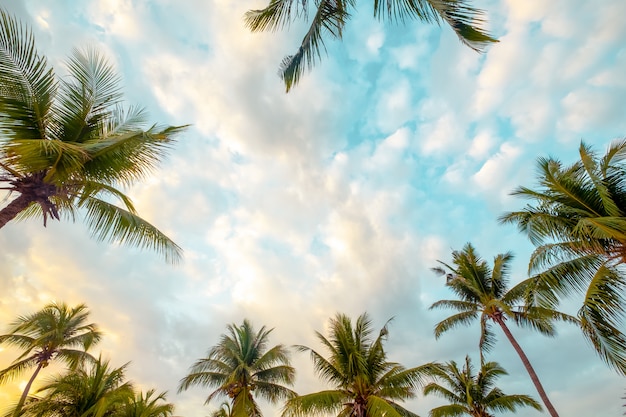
(401, 146)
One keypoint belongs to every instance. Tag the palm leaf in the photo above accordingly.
(330, 17)
(27, 84)
(108, 222)
(319, 403)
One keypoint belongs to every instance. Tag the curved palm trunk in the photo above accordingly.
(20, 404)
(14, 208)
(528, 366)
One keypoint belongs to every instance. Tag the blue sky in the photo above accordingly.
(401, 146)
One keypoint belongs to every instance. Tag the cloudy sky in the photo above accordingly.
(402, 146)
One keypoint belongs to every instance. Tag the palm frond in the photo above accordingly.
(27, 84)
(315, 404)
(460, 319)
(277, 15)
(603, 315)
(330, 18)
(108, 222)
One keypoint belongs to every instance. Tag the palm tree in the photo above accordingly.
(97, 391)
(241, 367)
(56, 332)
(484, 294)
(66, 143)
(148, 405)
(331, 17)
(364, 383)
(472, 394)
(577, 220)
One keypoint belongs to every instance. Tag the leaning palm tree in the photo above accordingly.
(483, 294)
(241, 367)
(577, 220)
(96, 390)
(472, 394)
(66, 144)
(148, 405)
(363, 382)
(56, 332)
(330, 18)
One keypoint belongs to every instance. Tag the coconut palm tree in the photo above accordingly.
(95, 390)
(472, 394)
(483, 294)
(241, 367)
(577, 219)
(148, 405)
(363, 382)
(66, 144)
(330, 18)
(56, 332)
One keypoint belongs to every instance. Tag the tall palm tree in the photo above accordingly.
(241, 367)
(577, 219)
(483, 294)
(66, 144)
(472, 394)
(363, 382)
(96, 390)
(56, 332)
(148, 405)
(330, 18)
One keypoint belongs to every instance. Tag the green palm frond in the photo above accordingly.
(16, 369)
(129, 156)
(315, 404)
(331, 17)
(148, 405)
(277, 15)
(50, 156)
(27, 84)
(449, 410)
(379, 407)
(487, 339)
(460, 319)
(564, 278)
(603, 315)
(107, 222)
(273, 392)
(87, 96)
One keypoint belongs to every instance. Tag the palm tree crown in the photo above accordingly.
(472, 394)
(330, 18)
(241, 366)
(147, 405)
(57, 332)
(483, 294)
(364, 383)
(96, 390)
(66, 143)
(577, 220)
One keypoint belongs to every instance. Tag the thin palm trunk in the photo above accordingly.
(20, 404)
(529, 367)
(14, 208)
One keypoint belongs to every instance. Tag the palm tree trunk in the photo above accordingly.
(529, 368)
(14, 208)
(20, 404)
